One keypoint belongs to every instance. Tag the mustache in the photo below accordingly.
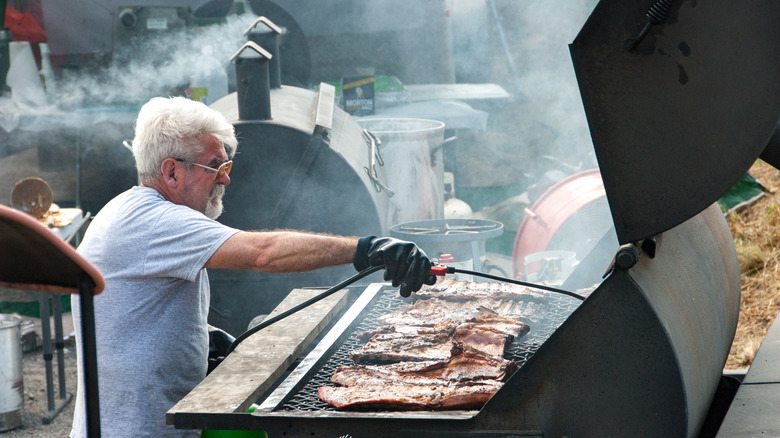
(217, 191)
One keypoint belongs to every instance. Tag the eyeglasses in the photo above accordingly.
(223, 169)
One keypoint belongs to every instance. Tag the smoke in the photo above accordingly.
(551, 107)
(553, 139)
(158, 66)
(537, 137)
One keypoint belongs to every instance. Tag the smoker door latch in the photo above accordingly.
(627, 256)
(650, 245)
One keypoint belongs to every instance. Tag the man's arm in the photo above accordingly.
(283, 251)
(405, 264)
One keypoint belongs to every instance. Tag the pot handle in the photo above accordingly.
(374, 158)
(444, 143)
(436, 149)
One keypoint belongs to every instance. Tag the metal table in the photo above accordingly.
(48, 302)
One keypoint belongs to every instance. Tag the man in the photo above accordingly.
(153, 244)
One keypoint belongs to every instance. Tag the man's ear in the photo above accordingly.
(168, 168)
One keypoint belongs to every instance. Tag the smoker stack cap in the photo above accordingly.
(253, 82)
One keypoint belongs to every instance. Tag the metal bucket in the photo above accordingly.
(11, 381)
(413, 161)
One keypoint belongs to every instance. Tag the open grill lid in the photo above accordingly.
(680, 118)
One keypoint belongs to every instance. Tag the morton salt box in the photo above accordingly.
(358, 94)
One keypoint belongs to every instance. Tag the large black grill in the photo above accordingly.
(590, 368)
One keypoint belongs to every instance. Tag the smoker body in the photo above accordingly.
(302, 169)
(641, 356)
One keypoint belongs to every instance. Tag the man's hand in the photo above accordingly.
(406, 265)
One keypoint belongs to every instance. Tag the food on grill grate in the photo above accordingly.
(399, 347)
(408, 397)
(463, 365)
(482, 338)
(437, 311)
(481, 335)
(445, 351)
(454, 290)
(511, 325)
(378, 375)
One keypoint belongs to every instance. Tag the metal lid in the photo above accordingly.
(679, 119)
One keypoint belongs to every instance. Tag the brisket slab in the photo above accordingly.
(460, 395)
(444, 351)
(454, 290)
(463, 365)
(399, 347)
(435, 343)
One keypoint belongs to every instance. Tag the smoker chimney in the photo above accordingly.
(268, 37)
(252, 84)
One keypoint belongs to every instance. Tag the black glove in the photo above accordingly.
(406, 265)
(219, 342)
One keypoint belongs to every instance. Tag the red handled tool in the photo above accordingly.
(439, 270)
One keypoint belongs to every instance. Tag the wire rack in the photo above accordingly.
(543, 316)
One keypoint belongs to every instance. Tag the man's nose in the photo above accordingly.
(224, 179)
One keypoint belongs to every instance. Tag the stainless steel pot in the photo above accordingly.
(11, 378)
(413, 161)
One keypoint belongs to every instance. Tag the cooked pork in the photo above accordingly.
(400, 347)
(454, 290)
(436, 311)
(455, 395)
(463, 365)
(511, 325)
(445, 351)
(435, 343)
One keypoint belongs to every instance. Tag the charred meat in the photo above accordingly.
(444, 351)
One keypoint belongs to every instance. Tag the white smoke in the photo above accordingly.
(160, 67)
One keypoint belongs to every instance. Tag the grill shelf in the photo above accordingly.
(543, 316)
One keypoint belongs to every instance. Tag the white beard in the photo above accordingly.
(214, 207)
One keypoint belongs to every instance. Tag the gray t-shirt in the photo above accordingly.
(150, 321)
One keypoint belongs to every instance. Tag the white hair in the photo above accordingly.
(175, 128)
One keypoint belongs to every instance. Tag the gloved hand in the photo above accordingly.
(219, 342)
(406, 265)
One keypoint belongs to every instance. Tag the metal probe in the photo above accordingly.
(440, 270)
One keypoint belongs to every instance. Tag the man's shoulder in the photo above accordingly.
(133, 195)
(143, 199)
(136, 204)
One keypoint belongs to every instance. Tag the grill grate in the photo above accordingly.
(543, 316)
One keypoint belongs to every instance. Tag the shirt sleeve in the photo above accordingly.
(182, 241)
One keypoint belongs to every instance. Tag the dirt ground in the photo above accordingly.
(756, 232)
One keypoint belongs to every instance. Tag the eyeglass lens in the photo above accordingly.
(224, 168)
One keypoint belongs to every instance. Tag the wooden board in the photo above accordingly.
(259, 361)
